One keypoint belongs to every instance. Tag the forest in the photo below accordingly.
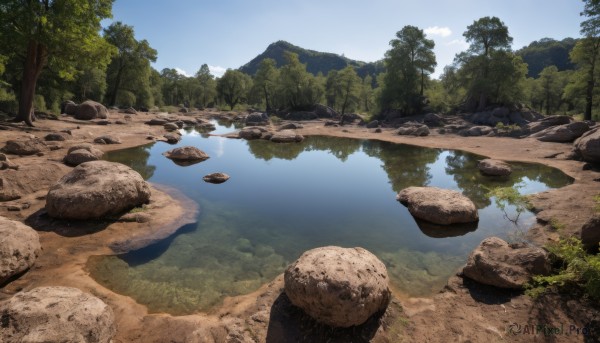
(50, 52)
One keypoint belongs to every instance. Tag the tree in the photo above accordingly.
(408, 62)
(58, 33)
(264, 81)
(233, 87)
(489, 71)
(551, 87)
(586, 51)
(208, 86)
(367, 93)
(343, 89)
(298, 89)
(129, 69)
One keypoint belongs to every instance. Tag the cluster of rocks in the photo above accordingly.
(87, 110)
(281, 136)
(317, 112)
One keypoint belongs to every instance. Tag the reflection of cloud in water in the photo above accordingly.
(220, 150)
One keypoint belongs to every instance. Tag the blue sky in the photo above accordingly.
(229, 33)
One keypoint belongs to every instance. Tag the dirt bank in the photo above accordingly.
(462, 312)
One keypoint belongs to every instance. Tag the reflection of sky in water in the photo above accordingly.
(283, 199)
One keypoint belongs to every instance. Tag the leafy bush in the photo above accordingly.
(576, 269)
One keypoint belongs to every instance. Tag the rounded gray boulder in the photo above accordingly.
(340, 287)
(493, 167)
(56, 314)
(439, 206)
(96, 189)
(19, 248)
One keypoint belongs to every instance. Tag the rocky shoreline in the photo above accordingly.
(464, 310)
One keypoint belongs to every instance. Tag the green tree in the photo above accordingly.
(367, 93)
(297, 88)
(208, 86)
(488, 70)
(265, 79)
(233, 87)
(344, 88)
(408, 62)
(62, 34)
(171, 86)
(551, 87)
(91, 84)
(129, 69)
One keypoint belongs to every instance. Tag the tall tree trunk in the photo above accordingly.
(35, 61)
(589, 96)
(113, 95)
(267, 99)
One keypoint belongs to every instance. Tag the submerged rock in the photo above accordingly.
(186, 155)
(96, 189)
(56, 314)
(340, 287)
(439, 206)
(216, 178)
(496, 263)
(493, 167)
(19, 248)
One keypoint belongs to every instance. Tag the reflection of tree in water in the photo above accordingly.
(136, 158)
(405, 165)
(463, 167)
(338, 147)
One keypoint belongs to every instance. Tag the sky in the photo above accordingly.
(229, 33)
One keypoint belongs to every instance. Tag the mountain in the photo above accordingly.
(315, 61)
(546, 52)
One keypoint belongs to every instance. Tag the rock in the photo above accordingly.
(156, 121)
(183, 110)
(19, 248)
(56, 314)
(286, 136)
(413, 129)
(439, 206)
(70, 108)
(373, 124)
(5, 163)
(496, 263)
(301, 115)
(562, 133)
(590, 233)
(96, 189)
(103, 122)
(290, 126)
(24, 147)
(57, 136)
(340, 287)
(349, 118)
(548, 122)
(331, 123)
(588, 146)
(206, 126)
(432, 119)
(257, 118)
(250, 133)
(89, 110)
(132, 110)
(64, 104)
(186, 155)
(378, 130)
(493, 167)
(476, 131)
(107, 139)
(322, 111)
(29, 178)
(172, 138)
(79, 156)
(171, 127)
(216, 178)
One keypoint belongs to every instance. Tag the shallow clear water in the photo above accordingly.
(283, 199)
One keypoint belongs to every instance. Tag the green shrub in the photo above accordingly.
(576, 270)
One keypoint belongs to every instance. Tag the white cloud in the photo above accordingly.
(217, 70)
(438, 31)
(182, 72)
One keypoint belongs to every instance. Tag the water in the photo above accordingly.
(283, 199)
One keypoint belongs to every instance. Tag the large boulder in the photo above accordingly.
(493, 167)
(186, 155)
(68, 107)
(24, 147)
(97, 189)
(107, 139)
(257, 119)
(19, 248)
(323, 111)
(548, 122)
(562, 133)
(439, 206)
(250, 133)
(413, 129)
(340, 287)
(496, 263)
(57, 136)
(56, 314)
(590, 232)
(82, 153)
(432, 119)
(89, 110)
(286, 136)
(171, 127)
(28, 179)
(588, 146)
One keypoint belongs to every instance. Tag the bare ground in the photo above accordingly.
(462, 312)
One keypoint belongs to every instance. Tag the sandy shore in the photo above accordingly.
(463, 311)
